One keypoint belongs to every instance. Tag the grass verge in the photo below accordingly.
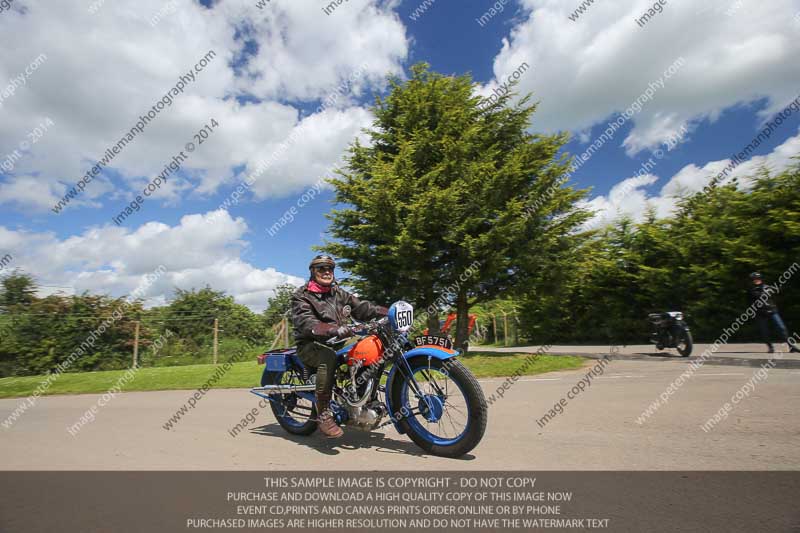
(501, 364)
(246, 374)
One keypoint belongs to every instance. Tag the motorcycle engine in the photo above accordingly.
(366, 417)
(359, 399)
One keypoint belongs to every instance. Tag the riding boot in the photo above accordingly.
(770, 349)
(325, 422)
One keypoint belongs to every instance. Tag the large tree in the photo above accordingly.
(192, 312)
(437, 208)
(17, 288)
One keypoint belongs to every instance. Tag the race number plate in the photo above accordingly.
(435, 340)
(402, 315)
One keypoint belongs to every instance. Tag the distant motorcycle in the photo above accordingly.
(671, 331)
(428, 394)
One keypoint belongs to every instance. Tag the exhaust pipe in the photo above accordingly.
(284, 389)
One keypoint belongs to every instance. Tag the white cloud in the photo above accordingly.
(304, 52)
(588, 70)
(628, 197)
(322, 140)
(104, 70)
(29, 191)
(200, 250)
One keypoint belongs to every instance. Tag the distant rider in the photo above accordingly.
(320, 311)
(768, 312)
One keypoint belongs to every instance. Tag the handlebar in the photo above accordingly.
(361, 328)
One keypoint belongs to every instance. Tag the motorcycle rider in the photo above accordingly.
(767, 312)
(320, 309)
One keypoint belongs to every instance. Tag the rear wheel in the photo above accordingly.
(294, 413)
(449, 418)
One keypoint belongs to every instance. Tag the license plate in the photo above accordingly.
(434, 340)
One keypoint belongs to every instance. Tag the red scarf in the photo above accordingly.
(313, 286)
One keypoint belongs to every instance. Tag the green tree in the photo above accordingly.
(696, 261)
(279, 304)
(48, 330)
(18, 288)
(437, 207)
(192, 312)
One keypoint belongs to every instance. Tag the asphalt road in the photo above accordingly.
(597, 430)
(752, 355)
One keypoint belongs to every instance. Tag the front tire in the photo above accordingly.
(418, 426)
(290, 408)
(685, 343)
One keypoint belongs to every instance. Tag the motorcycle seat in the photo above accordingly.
(284, 351)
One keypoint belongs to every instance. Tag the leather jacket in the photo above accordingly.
(764, 291)
(316, 316)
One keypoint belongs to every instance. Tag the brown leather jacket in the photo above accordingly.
(315, 316)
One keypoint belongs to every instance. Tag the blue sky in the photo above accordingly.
(273, 69)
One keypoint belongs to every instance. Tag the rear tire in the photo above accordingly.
(281, 409)
(472, 393)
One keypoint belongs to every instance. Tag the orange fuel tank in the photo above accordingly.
(369, 350)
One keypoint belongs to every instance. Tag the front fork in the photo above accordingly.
(405, 369)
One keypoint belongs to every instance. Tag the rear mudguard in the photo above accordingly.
(280, 361)
(431, 352)
(283, 360)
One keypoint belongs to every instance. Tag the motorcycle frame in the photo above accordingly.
(401, 365)
(666, 330)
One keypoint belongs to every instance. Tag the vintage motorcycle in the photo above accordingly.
(428, 394)
(671, 331)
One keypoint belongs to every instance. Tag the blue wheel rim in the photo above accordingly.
(418, 427)
(286, 416)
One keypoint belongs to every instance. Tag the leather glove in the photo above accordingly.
(344, 332)
(324, 329)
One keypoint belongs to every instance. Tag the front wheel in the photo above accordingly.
(684, 344)
(449, 417)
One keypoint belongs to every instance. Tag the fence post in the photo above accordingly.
(494, 329)
(505, 328)
(278, 329)
(216, 339)
(136, 345)
(285, 333)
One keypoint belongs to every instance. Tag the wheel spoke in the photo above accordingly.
(301, 408)
(437, 386)
(462, 413)
(432, 381)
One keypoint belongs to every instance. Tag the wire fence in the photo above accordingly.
(158, 341)
(132, 343)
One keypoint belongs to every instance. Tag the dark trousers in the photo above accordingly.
(323, 358)
(763, 325)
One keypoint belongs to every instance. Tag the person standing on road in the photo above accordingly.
(320, 310)
(768, 312)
